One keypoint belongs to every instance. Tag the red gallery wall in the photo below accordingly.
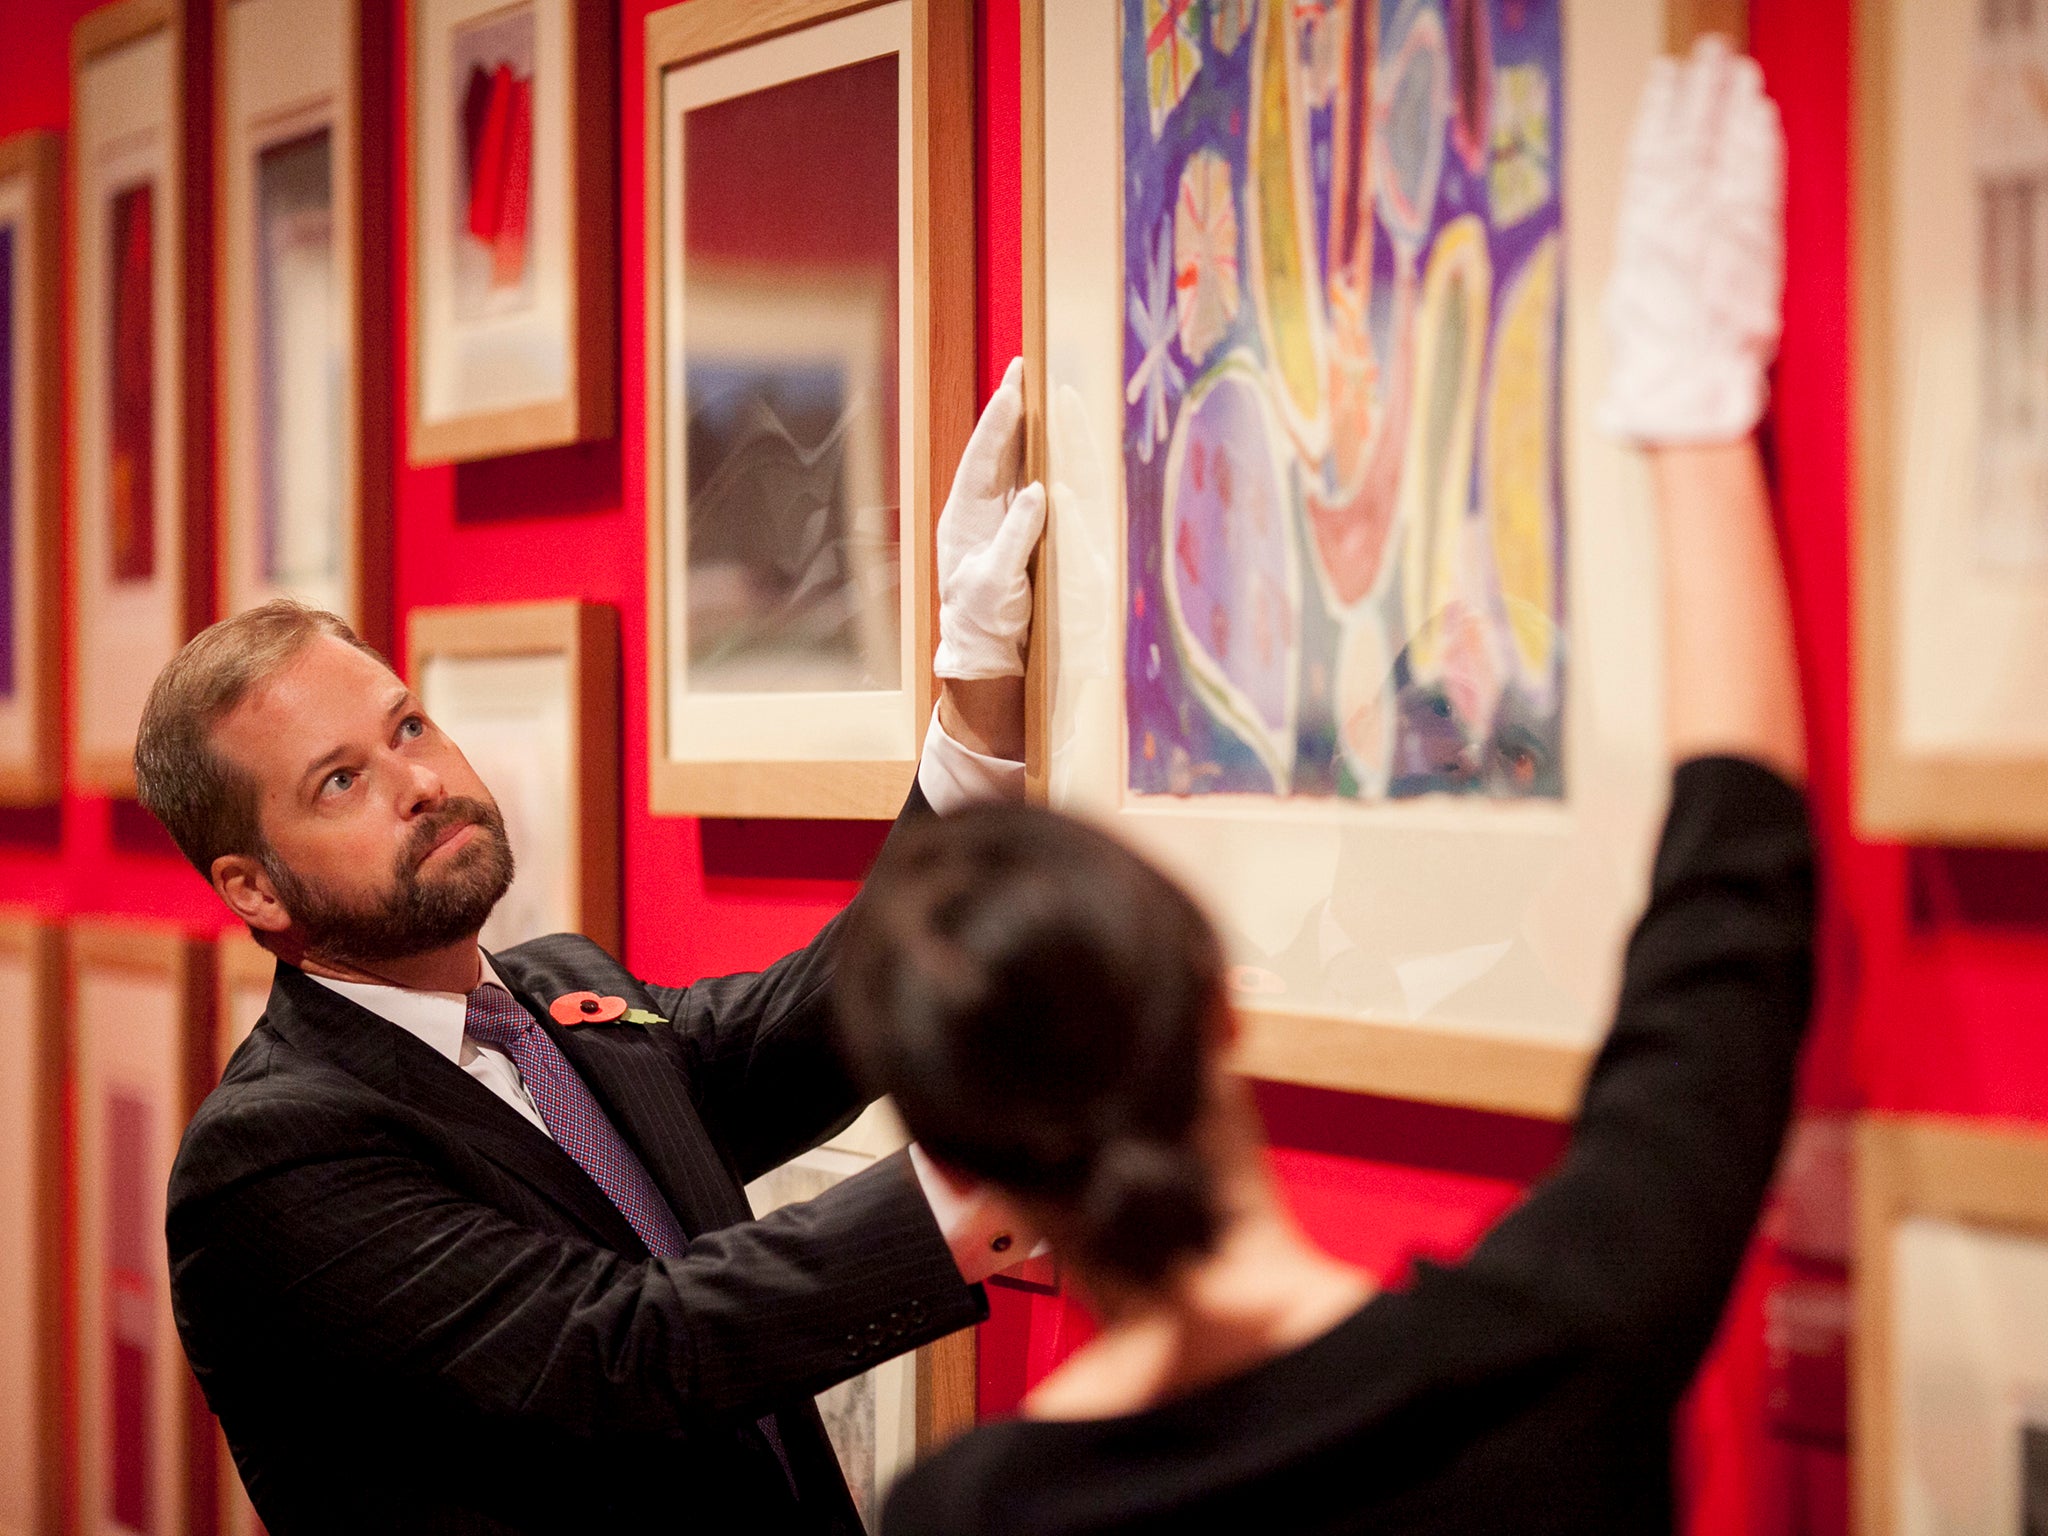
(1935, 962)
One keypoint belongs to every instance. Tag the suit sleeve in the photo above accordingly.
(363, 1262)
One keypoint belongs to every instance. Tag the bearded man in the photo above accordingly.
(442, 1263)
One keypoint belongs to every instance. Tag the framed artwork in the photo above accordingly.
(31, 491)
(809, 388)
(1950, 1368)
(530, 693)
(304, 319)
(1348, 616)
(513, 337)
(1951, 466)
(882, 1420)
(140, 1009)
(141, 568)
(243, 970)
(31, 1227)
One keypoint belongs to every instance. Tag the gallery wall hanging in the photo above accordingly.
(31, 486)
(31, 1226)
(1950, 474)
(1347, 615)
(1950, 1357)
(810, 376)
(304, 306)
(530, 693)
(514, 340)
(140, 1009)
(141, 450)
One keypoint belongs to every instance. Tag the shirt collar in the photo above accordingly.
(436, 1018)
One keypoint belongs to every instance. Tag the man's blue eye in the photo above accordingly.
(413, 728)
(340, 780)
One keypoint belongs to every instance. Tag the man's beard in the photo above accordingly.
(420, 914)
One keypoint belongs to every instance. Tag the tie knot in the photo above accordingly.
(495, 1017)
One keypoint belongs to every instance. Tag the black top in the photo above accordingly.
(1530, 1388)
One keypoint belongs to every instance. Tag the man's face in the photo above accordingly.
(380, 839)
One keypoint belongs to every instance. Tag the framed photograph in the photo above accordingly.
(304, 318)
(530, 693)
(31, 487)
(513, 338)
(1349, 617)
(1950, 472)
(1950, 1365)
(31, 1226)
(140, 1008)
(882, 1420)
(243, 971)
(141, 572)
(809, 388)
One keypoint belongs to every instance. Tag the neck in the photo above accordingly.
(456, 967)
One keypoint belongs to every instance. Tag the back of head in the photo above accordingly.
(1042, 1005)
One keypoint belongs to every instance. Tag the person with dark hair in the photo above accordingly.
(1050, 1015)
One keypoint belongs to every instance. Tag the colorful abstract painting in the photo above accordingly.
(8, 300)
(1342, 451)
(494, 94)
(131, 391)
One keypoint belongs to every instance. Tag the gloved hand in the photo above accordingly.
(986, 534)
(1694, 306)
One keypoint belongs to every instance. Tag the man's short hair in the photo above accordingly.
(207, 804)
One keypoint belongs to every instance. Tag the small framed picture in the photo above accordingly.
(140, 1008)
(31, 1225)
(303, 195)
(885, 1418)
(513, 336)
(142, 581)
(31, 490)
(530, 693)
(807, 393)
(1951, 1328)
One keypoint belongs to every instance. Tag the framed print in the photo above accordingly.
(141, 465)
(1950, 472)
(31, 1227)
(1350, 619)
(304, 318)
(884, 1419)
(243, 971)
(513, 336)
(530, 693)
(809, 387)
(140, 1010)
(31, 491)
(1950, 1368)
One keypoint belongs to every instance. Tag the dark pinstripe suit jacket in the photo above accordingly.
(414, 1313)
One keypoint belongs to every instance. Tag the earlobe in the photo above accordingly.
(245, 886)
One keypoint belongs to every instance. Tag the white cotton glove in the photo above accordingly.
(986, 534)
(1694, 307)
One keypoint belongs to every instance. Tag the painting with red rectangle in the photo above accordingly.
(494, 93)
(131, 373)
(131, 1309)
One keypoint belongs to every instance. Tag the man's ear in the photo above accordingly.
(245, 886)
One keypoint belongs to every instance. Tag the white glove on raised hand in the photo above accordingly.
(1694, 307)
(986, 534)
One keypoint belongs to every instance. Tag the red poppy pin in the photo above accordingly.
(589, 1008)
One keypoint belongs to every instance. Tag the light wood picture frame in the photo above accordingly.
(243, 972)
(513, 340)
(31, 474)
(790, 655)
(140, 1010)
(530, 693)
(1949, 1358)
(141, 453)
(303, 348)
(32, 1064)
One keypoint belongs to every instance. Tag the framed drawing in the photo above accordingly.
(141, 572)
(243, 970)
(31, 493)
(809, 387)
(140, 1009)
(513, 336)
(1951, 465)
(882, 1420)
(1950, 1368)
(31, 1227)
(1349, 617)
(304, 319)
(530, 693)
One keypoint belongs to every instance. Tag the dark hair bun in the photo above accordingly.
(1145, 1206)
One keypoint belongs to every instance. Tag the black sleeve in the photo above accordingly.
(1634, 1242)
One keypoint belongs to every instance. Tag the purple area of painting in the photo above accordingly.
(1177, 742)
(131, 1260)
(7, 303)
